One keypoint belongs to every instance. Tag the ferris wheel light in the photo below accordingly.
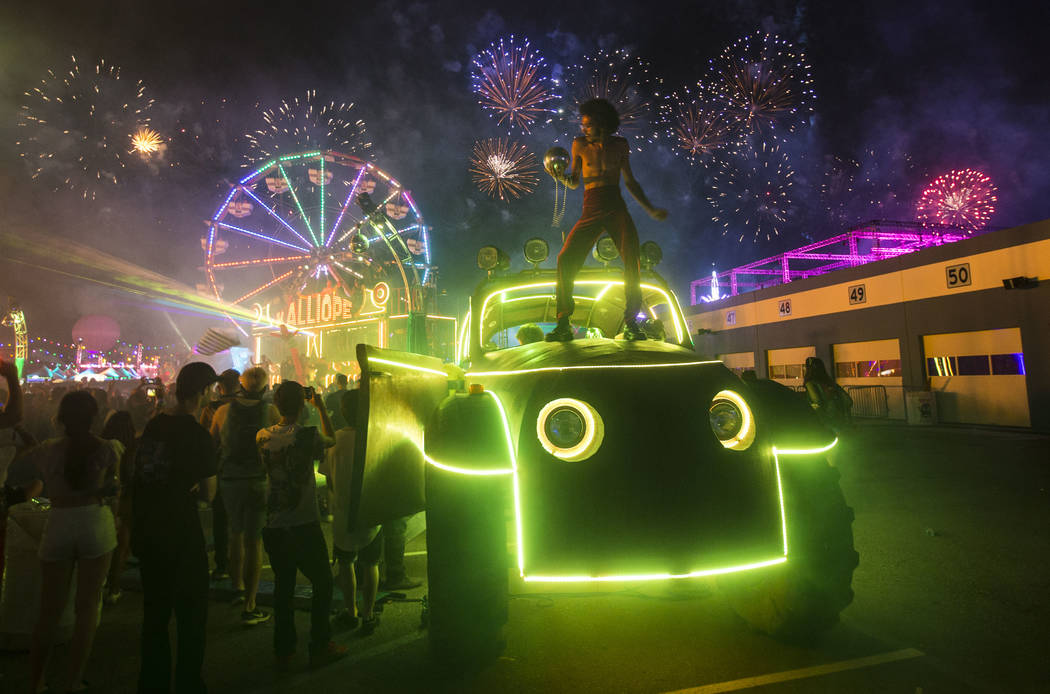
(305, 203)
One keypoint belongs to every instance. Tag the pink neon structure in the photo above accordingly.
(867, 243)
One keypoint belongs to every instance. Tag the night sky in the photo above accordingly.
(910, 90)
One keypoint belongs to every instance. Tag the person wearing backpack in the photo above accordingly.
(242, 481)
(293, 535)
(229, 386)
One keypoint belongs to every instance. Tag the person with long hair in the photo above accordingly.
(79, 470)
(120, 427)
(827, 398)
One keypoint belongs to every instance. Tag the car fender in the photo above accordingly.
(399, 393)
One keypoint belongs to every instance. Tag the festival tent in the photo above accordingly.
(88, 375)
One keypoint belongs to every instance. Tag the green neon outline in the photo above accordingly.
(464, 332)
(321, 225)
(780, 488)
(410, 367)
(655, 577)
(467, 471)
(295, 197)
(580, 368)
(669, 296)
(520, 524)
(805, 451)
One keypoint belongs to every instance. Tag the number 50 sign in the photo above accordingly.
(957, 275)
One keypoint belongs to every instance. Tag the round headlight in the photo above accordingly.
(565, 427)
(726, 419)
(570, 429)
(731, 420)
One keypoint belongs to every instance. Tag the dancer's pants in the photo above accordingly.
(604, 211)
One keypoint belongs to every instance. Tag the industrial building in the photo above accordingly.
(916, 323)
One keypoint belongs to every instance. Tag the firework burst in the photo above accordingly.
(964, 199)
(146, 141)
(503, 168)
(765, 81)
(304, 123)
(697, 126)
(751, 193)
(622, 79)
(509, 81)
(76, 126)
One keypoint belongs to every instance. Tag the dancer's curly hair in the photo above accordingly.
(603, 112)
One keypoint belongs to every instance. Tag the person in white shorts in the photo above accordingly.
(79, 471)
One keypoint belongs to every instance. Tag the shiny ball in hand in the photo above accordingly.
(556, 161)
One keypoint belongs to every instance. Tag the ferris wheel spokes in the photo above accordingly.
(342, 212)
(264, 287)
(261, 261)
(287, 246)
(273, 214)
(295, 197)
(264, 237)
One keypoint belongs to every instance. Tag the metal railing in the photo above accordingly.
(869, 401)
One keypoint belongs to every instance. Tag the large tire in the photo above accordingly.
(800, 599)
(466, 568)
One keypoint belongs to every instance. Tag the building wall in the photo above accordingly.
(904, 299)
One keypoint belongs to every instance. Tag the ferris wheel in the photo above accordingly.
(317, 219)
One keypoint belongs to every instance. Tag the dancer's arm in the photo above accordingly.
(635, 189)
(571, 178)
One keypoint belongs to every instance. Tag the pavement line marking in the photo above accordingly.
(284, 684)
(804, 673)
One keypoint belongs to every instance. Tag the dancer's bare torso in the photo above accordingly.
(599, 160)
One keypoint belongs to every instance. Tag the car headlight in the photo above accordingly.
(731, 420)
(570, 429)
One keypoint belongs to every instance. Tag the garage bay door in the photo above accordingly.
(979, 377)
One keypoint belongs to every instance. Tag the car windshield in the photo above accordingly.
(524, 314)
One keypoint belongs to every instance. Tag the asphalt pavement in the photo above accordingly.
(953, 528)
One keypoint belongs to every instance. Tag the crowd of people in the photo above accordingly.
(127, 472)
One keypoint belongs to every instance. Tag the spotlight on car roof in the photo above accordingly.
(605, 250)
(650, 255)
(491, 258)
(536, 251)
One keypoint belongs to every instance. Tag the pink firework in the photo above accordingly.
(964, 199)
(509, 80)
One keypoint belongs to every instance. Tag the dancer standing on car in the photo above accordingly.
(598, 159)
